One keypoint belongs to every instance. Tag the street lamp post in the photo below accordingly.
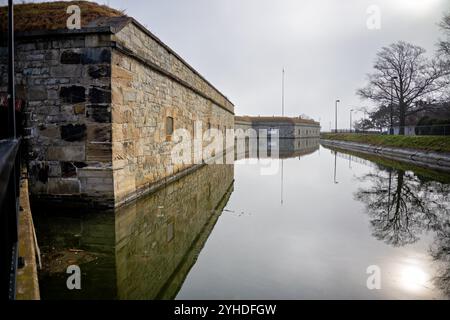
(391, 130)
(351, 110)
(335, 114)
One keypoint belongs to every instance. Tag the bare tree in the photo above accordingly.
(404, 76)
(444, 45)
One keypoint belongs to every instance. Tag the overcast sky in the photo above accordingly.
(241, 46)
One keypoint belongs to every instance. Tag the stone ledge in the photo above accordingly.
(433, 160)
(27, 277)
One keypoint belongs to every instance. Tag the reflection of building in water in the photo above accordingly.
(287, 127)
(145, 249)
(287, 148)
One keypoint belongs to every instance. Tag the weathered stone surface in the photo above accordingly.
(69, 169)
(99, 113)
(73, 94)
(100, 95)
(66, 70)
(79, 109)
(70, 57)
(51, 131)
(40, 172)
(96, 56)
(73, 132)
(99, 133)
(36, 93)
(98, 40)
(66, 153)
(99, 71)
(59, 186)
(99, 151)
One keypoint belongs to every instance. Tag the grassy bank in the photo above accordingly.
(426, 143)
(440, 176)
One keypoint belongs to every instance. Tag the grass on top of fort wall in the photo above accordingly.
(53, 15)
(425, 143)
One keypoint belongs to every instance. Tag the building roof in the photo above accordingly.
(259, 119)
(53, 15)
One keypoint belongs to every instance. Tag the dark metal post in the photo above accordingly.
(11, 86)
(11, 204)
(335, 115)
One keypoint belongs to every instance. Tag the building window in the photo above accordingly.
(169, 128)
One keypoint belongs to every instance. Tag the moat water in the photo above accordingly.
(326, 225)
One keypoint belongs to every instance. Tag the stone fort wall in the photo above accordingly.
(96, 105)
(150, 84)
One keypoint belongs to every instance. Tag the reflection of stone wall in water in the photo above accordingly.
(287, 148)
(155, 235)
(150, 246)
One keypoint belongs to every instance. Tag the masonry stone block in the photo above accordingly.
(66, 70)
(100, 95)
(73, 132)
(99, 71)
(99, 151)
(96, 56)
(79, 109)
(73, 94)
(70, 57)
(37, 93)
(66, 153)
(99, 113)
(64, 186)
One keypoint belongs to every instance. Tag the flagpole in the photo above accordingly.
(282, 95)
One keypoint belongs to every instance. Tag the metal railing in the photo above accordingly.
(9, 211)
(9, 178)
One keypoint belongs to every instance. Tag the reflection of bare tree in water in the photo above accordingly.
(402, 205)
(440, 251)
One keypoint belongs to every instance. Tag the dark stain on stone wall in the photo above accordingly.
(100, 95)
(41, 172)
(73, 133)
(99, 71)
(69, 169)
(70, 57)
(73, 94)
(96, 56)
(99, 113)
